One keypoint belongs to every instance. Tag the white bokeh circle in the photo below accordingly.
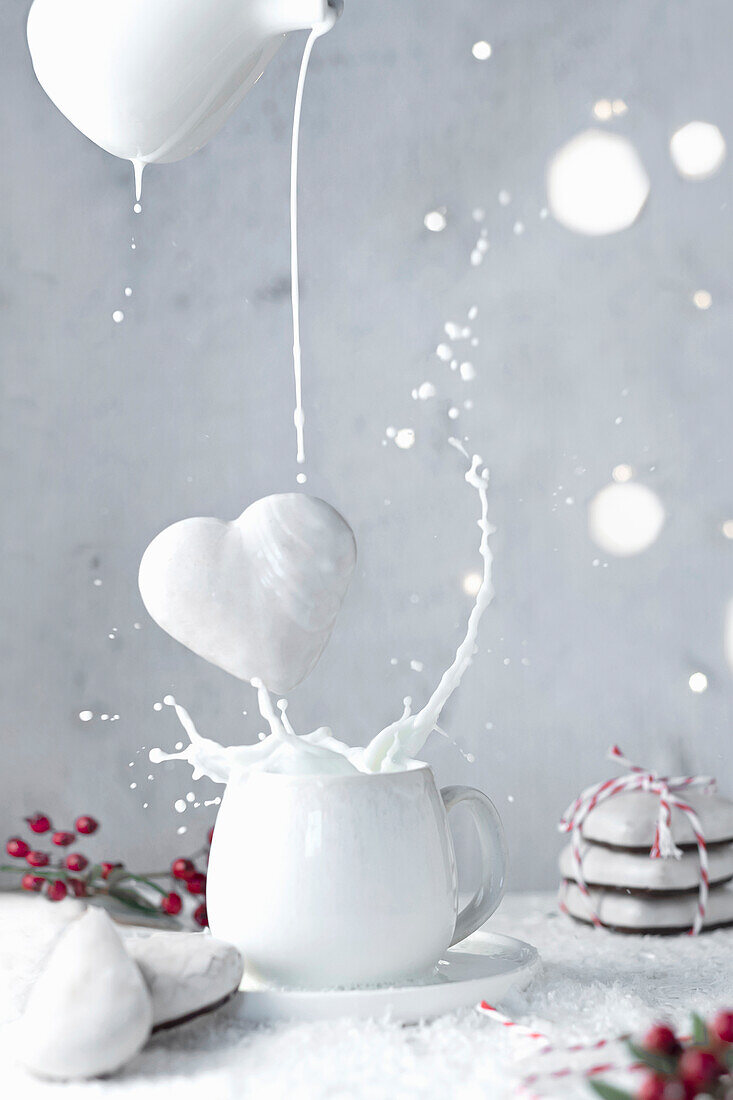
(596, 184)
(625, 518)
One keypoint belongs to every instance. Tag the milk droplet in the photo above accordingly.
(703, 299)
(443, 352)
(622, 472)
(301, 478)
(468, 372)
(137, 208)
(181, 830)
(698, 682)
(169, 700)
(190, 796)
(454, 413)
(504, 198)
(85, 715)
(97, 582)
(435, 221)
(404, 438)
(697, 150)
(118, 316)
(179, 806)
(128, 291)
(157, 706)
(416, 666)
(425, 390)
(727, 528)
(481, 50)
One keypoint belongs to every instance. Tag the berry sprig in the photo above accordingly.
(680, 1070)
(73, 874)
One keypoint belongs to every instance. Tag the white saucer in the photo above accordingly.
(465, 977)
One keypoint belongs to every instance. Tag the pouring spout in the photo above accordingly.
(283, 16)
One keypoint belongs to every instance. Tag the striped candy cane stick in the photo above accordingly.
(663, 847)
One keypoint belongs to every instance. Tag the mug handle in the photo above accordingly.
(493, 858)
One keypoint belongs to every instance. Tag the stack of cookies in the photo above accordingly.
(630, 891)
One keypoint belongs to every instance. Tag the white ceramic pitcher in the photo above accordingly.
(153, 80)
(347, 880)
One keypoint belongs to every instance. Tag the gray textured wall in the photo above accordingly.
(110, 432)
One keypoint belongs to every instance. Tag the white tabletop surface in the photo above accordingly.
(592, 985)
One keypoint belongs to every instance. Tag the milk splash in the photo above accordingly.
(320, 753)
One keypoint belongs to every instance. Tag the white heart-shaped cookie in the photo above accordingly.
(258, 596)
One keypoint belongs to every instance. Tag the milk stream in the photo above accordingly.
(320, 753)
(299, 415)
(139, 167)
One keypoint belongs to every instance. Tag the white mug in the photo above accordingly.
(326, 881)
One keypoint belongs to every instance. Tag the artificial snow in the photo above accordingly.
(592, 985)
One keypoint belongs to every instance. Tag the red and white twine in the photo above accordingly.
(529, 1081)
(666, 788)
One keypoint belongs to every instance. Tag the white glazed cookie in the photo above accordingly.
(258, 596)
(89, 1012)
(635, 870)
(629, 820)
(642, 913)
(186, 973)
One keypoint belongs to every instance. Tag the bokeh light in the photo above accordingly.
(596, 184)
(697, 150)
(625, 518)
(471, 583)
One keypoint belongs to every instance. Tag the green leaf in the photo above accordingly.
(700, 1035)
(134, 900)
(609, 1092)
(145, 881)
(660, 1063)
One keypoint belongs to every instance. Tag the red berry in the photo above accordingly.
(38, 823)
(660, 1039)
(75, 861)
(32, 882)
(78, 887)
(201, 916)
(699, 1068)
(652, 1087)
(196, 883)
(36, 859)
(722, 1025)
(171, 904)
(63, 839)
(56, 890)
(86, 824)
(108, 868)
(16, 847)
(182, 868)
